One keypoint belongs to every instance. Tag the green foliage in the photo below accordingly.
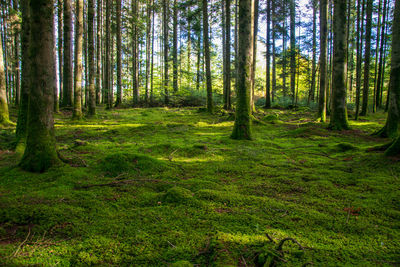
(168, 187)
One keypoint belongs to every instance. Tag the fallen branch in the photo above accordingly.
(22, 243)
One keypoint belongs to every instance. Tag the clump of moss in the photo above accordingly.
(178, 195)
(272, 118)
(181, 264)
(344, 147)
(118, 163)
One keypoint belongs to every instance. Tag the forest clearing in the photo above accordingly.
(199, 133)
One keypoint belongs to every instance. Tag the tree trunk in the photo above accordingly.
(394, 87)
(268, 55)
(78, 60)
(378, 28)
(360, 38)
(166, 45)
(379, 88)
(4, 115)
(60, 48)
(323, 9)
(148, 46)
(242, 127)
(91, 55)
(367, 60)
(284, 50)
(107, 66)
(40, 153)
(98, 50)
(207, 56)
(118, 102)
(21, 130)
(68, 95)
(314, 52)
(198, 61)
(273, 20)
(338, 119)
(175, 47)
(16, 60)
(254, 65)
(152, 59)
(135, 52)
(293, 49)
(227, 59)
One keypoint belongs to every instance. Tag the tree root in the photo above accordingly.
(279, 255)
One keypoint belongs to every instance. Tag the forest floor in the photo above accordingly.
(161, 187)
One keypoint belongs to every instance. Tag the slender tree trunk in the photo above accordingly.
(91, 55)
(379, 88)
(273, 52)
(378, 28)
(78, 60)
(98, 50)
(60, 49)
(293, 48)
(314, 52)
(107, 66)
(175, 47)
(254, 65)
(40, 153)
(68, 96)
(360, 38)
(118, 102)
(236, 42)
(242, 127)
(189, 48)
(17, 86)
(135, 52)
(4, 115)
(323, 9)
(284, 50)
(148, 46)
(207, 56)
(198, 61)
(367, 60)
(166, 45)
(268, 54)
(152, 59)
(227, 60)
(338, 120)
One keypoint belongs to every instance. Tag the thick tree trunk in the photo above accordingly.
(91, 55)
(207, 56)
(367, 60)
(78, 60)
(394, 87)
(40, 153)
(242, 127)
(273, 52)
(21, 130)
(17, 86)
(268, 55)
(118, 102)
(338, 119)
(68, 95)
(323, 9)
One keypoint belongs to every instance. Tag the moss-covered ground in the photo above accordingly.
(159, 187)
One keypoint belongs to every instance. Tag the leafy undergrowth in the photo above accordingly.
(162, 186)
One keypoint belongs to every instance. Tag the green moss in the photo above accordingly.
(188, 194)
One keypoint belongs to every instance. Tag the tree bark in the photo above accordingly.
(135, 52)
(40, 153)
(323, 9)
(379, 88)
(227, 60)
(314, 52)
(77, 114)
(4, 115)
(293, 49)
(367, 60)
(107, 66)
(166, 45)
(60, 49)
(118, 102)
(338, 119)
(207, 56)
(68, 95)
(360, 39)
(268, 55)
(242, 127)
(175, 47)
(91, 57)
